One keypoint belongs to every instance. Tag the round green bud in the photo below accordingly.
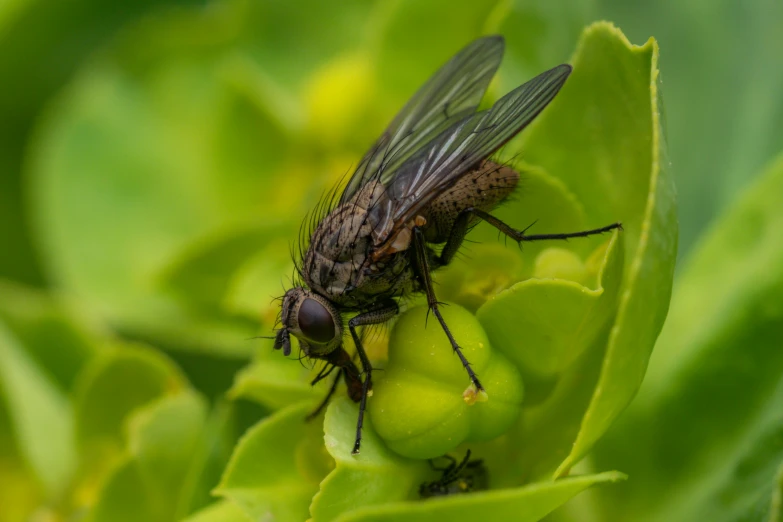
(423, 403)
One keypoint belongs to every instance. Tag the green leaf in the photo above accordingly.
(608, 118)
(276, 467)
(239, 271)
(526, 504)
(57, 339)
(275, 381)
(555, 320)
(40, 415)
(21, 493)
(256, 285)
(111, 388)
(716, 153)
(162, 441)
(117, 383)
(44, 346)
(707, 424)
(200, 276)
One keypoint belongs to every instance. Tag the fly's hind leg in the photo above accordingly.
(476, 392)
(462, 223)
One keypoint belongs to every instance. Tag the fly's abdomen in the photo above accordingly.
(481, 188)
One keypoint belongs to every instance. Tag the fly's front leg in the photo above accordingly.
(461, 225)
(423, 271)
(338, 358)
(377, 316)
(313, 414)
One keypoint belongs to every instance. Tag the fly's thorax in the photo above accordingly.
(338, 249)
(341, 261)
(313, 320)
(340, 244)
(483, 188)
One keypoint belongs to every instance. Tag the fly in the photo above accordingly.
(468, 475)
(426, 181)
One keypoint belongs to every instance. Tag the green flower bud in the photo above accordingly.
(420, 404)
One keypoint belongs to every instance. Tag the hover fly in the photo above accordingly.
(426, 181)
(468, 475)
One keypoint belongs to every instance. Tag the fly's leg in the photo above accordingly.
(338, 358)
(451, 465)
(325, 372)
(313, 414)
(461, 226)
(377, 316)
(452, 473)
(423, 271)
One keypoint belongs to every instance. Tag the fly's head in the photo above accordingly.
(312, 319)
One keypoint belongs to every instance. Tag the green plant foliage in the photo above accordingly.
(293, 461)
(552, 314)
(150, 484)
(525, 504)
(380, 485)
(38, 444)
(375, 477)
(716, 56)
(37, 411)
(715, 387)
(626, 185)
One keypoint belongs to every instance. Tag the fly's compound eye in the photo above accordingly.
(316, 322)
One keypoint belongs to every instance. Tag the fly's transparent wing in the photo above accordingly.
(449, 96)
(461, 147)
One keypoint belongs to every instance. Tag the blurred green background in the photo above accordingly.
(721, 69)
(156, 158)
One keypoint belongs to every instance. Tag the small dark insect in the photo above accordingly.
(426, 181)
(468, 475)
